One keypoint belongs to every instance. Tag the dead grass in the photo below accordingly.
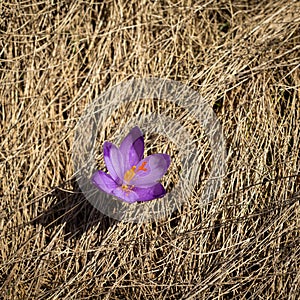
(56, 58)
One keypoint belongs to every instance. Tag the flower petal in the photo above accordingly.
(127, 196)
(150, 193)
(150, 170)
(113, 161)
(104, 182)
(132, 148)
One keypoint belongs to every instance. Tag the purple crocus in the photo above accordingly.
(131, 177)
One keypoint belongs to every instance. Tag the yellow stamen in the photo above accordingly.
(129, 174)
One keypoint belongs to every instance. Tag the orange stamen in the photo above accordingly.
(142, 167)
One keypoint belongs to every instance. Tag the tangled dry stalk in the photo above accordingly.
(56, 58)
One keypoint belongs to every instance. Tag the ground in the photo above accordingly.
(242, 57)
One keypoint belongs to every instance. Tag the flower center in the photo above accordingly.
(128, 176)
(127, 189)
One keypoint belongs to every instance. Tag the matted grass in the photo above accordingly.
(57, 58)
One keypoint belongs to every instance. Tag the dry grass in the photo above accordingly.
(56, 58)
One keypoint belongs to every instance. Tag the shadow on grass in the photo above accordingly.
(72, 211)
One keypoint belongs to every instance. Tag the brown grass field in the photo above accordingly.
(57, 57)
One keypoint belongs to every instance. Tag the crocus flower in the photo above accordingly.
(131, 177)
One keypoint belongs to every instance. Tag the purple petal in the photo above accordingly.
(104, 182)
(150, 193)
(113, 161)
(150, 170)
(132, 148)
(127, 196)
